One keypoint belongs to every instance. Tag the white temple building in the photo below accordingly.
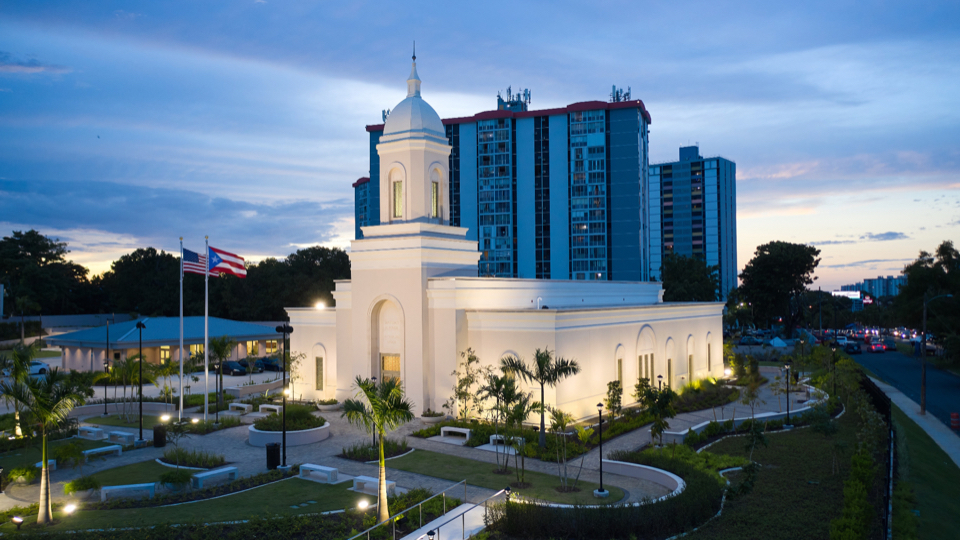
(414, 302)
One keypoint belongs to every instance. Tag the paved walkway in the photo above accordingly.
(945, 438)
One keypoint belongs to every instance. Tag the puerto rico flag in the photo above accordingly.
(222, 262)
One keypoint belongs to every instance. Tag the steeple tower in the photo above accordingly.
(413, 82)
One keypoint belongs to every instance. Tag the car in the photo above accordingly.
(272, 364)
(852, 348)
(36, 368)
(750, 340)
(877, 347)
(889, 345)
(257, 365)
(842, 340)
(232, 368)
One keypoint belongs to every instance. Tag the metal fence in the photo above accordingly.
(436, 533)
(882, 403)
(418, 507)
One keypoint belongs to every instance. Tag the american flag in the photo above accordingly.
(194, 263)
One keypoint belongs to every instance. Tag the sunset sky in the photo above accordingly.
(130, 124)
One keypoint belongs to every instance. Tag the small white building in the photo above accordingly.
(414, 302)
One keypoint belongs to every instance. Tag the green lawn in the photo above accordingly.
(479, 473)
(31, 455)
(935, 479)
(270, 500)
(135, 473)
(796, 493)
(116, 421)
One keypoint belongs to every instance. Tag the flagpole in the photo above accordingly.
(180, 410)
(206, 309)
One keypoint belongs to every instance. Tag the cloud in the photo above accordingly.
(9, 65)
(866, 263)
(884, 237)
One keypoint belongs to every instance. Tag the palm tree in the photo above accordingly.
(502, 389)
(382, 408)
(221, 348)
(24, 304)
(522, 407)
(49, 401)
(546, 371)
(18, 364)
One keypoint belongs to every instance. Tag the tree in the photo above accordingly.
(522, 407)
(380, 407)
(659, 403)
(467, 375)
(614, 399)
(146, 281)
(545, 371)
(751, 397)
(24, 304)
(559, 421)
(583, 435)
(35, 266)
(48, 404)
(776, 278)
(502, 389)
(221, 348)
(689, 279)
(932, 275)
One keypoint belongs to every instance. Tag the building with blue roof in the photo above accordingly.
(85, 350)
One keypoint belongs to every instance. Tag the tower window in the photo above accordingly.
(398, 199)
(435, 199)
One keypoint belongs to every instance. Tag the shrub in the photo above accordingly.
(299, 417)
(432, 414)
(192, 458)
(176, 477)
(209, 426)
(331, 401)
(81, 484)
(365, 452)
(29, 473)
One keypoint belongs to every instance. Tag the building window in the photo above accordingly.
(690, 367)
(196, 349)
(620, 371)
(271, 347)
(164, 354)
(669, 372)
(398, 199)
(390, 366)
(708, 357)
(253, 348)
(435, 199)
(319, 361)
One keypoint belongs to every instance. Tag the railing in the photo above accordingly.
(435, 533)
(419, 507)
(883, 405)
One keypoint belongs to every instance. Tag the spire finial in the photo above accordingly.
(414, 50)
(413, 81)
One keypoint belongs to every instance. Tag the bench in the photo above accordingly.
(112, 449)
(51, 464)
(92, 433)
(152, 488)
(365, 484)
(498, 439)
(450, 429)
(272, 408)
(244, 408)
(121, 437)
(197, 479)
(307, 470)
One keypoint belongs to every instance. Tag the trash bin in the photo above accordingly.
(273, 455)
(159, 436)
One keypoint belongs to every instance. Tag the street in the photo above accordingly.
(903, 372)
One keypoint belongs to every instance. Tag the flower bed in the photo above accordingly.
(364, 452)
(299, 417)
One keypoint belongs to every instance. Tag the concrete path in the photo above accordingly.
(463, 521)
(945, 438)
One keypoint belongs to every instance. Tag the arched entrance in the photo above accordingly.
(387, 336)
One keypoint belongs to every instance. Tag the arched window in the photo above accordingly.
(396, 183)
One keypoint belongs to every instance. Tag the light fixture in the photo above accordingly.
(286, 392)
(727, 372)
(320, 305)
(431, 534)
(165, 418)
(363, 504)
(194, 420)
(18, 521)
(68, 509)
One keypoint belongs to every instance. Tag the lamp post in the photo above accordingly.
(600, 492)
(106, 365)
(787, 369)
(659, 382)
(923, 354)
(374, 430)
(833, 347)
(140, 327)
(284, 329)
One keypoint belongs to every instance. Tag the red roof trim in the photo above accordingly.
(573, 107)
(361, 181)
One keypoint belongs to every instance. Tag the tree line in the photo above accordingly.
(39, 279)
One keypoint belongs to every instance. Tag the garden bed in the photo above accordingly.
(363, 452)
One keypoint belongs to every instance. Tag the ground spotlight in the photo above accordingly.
(18, 521)
(195, 421)
(363, 504)
(165, 418)
(68, 509)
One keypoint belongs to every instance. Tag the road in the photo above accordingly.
(903, 372)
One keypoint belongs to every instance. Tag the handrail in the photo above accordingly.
(418, 505)
(462, 516)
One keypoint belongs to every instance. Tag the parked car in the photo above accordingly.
(232, 368)
(750, 340)
(889, 345)
(852, 348)
(271, 364)
(36, 368)
(257, 365)
(877, 347)
(842, 340)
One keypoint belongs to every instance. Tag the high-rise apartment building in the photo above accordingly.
(549, 194)
(882, 286)
(693, 212)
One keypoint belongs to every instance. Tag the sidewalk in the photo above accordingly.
(945, 438)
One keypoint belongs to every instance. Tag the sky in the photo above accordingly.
(130, 124)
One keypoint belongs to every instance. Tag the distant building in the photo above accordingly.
(693, 212)
(549, 194)
(85, 350)
(882, 286)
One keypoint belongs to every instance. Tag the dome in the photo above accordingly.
(413, 116)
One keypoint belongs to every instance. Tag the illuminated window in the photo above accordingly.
(196, 349)
(319, 361)
(390, 366)
(164, 354)
(253, 348)
(398, 199)
(271, 346)
(435, 199)
(708, 357)
(620, 371)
